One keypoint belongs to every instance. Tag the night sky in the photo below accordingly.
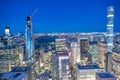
(58, 15)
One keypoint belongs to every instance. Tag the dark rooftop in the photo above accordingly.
(8, 47)
(20, 69)
(105, 75)
(88, 66)
(93, 42)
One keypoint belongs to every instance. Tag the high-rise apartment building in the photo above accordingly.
(102, 47)
(110, 27)
(75, 54)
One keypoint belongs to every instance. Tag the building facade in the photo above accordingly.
(75, 54)
(64, 72)
(10, 57)
(115, 62)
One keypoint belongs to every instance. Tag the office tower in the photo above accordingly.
(7, 31)
(75, 54)
(115, 62)
(54, 66)
(110, 27)
(83, 45)
(60, 45)
(64, 70)
(105, 76)
(85, 57)
(87, 72)
(29, 40)
(93, 50)
(102, 47)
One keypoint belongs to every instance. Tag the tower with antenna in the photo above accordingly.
(110, 27)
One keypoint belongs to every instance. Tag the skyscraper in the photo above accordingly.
(75, 55)
(110, 25)
(7, 31)
(29, 40)
(102, 47)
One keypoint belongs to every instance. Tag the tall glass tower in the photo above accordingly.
(110, 26)
(28, 39)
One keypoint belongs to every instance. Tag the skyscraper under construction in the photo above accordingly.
(29, 40)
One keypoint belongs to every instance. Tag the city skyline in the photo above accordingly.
(58, 16)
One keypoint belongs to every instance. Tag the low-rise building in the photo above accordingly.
(87, 72)
(105, 76)
(18, 73)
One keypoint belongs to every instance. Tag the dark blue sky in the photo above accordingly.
(58, 15)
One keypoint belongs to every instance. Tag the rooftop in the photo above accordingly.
(105, 75)
(20, 69)
(92, 66)
(12, 75)
(7, 47)
(93, 42)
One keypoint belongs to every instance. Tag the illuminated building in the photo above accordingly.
(7, 36)
(10, 57)
(64, 72)
(105, 76)
(83, 45)
(54, 66)
(102, 47)
(85, 57)
(47, 57)
(29, 40)
(60, 45)
(7, 31)
(115, 63)
(110, 27)
(87, 72)
(93, 50)
(75, 54)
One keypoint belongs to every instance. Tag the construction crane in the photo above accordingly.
(34, 12)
